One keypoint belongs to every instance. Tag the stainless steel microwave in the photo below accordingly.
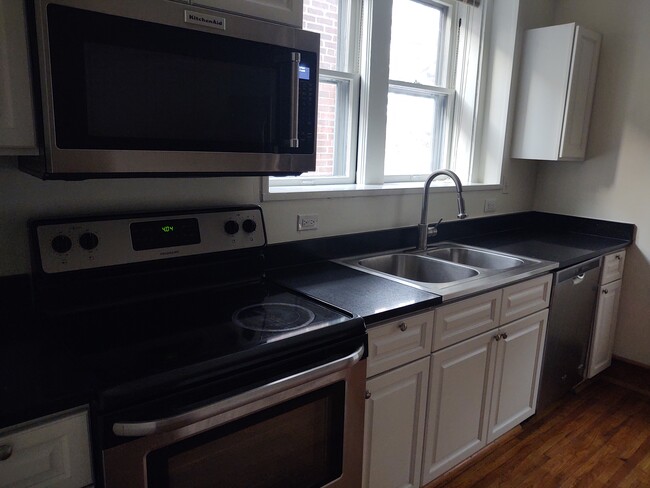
(163, 88)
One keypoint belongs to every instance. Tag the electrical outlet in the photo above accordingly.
(307, 221)
(490, 205)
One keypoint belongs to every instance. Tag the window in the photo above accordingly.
(398, 90)
(418, 98)
(337, 23)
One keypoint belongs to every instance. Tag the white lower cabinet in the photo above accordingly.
(53, 452)
(394, 426)
(460, 382)
(518, 365)
(480, 389)
(602, 342)
(604, 330)
(427, 410)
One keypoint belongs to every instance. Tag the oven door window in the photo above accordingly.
(295, 444)
(121, 83)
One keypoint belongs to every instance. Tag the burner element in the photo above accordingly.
(273, 317)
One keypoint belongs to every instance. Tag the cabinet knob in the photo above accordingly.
(5, 452)
(605, 291)
(618, 257)
(504, 336)
(368, 394)
(497, 337)
(402, 326)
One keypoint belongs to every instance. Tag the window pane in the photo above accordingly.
(332, 122)
(416, 42)
(322, 16)
(414, 133)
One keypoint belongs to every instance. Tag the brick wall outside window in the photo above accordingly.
(322, 16)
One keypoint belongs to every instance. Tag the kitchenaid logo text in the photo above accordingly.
(206, 20)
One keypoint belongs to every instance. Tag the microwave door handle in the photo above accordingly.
(138, 429)
(295, 87)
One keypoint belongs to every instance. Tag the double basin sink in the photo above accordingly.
(451, 270)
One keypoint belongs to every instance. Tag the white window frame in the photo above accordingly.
(371, 96)
(348, 104)
(445, 88)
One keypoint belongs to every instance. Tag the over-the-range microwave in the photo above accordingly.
(164, 88)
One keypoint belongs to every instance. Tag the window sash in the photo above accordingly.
(345, 133)
(366, 150)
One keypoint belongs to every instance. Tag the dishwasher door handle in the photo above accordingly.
(577, 279)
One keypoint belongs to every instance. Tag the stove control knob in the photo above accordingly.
(88, 240)
(61, 244)
(249, 225)
(231, 227)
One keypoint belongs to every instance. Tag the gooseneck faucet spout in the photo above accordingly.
(424, 230)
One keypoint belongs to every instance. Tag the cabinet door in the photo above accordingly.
(613, 265)
(394, 427)
(399, 342)
(580, 94)
(602, 340)
(55, 454)
(516, 378)
(16, 110)
(459, 385)
(545, 65)
(282, 11)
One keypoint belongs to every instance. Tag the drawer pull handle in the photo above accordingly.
(5, 452)
(402, 326)
(368, 394)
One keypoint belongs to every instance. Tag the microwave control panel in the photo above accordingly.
(77, 244)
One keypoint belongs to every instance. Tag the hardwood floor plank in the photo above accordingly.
(597, 438)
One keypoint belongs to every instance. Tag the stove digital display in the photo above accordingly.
(160, 234)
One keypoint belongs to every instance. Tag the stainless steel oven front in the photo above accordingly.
(303, 430)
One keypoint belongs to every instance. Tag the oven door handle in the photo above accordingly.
(139, 429)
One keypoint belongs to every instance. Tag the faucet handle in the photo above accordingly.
(432, 229)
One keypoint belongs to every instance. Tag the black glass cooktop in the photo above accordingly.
(154, 340)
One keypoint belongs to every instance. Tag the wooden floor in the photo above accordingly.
(599, 437)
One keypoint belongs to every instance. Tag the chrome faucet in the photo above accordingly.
(424, 229)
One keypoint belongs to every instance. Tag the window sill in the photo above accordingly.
(277, 193)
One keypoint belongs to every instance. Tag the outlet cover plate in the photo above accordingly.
(307, 221)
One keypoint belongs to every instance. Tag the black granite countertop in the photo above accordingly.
(372, 297)
(565, 248)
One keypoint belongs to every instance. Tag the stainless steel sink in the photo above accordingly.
(450, 270)
(475, 257)
(418, 268)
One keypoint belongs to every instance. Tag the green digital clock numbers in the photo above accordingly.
(168, 228)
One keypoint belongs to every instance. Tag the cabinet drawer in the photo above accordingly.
(55, 454)
(525, 298)
(612, 267)
(399, 342)
(464, 319)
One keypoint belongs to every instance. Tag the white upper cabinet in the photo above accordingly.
(16, 107)
(282, 11)
(556, 90)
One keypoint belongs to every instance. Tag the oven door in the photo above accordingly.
(302, 431)
(141, 87)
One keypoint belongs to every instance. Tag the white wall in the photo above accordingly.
(613, 182)
(23, 197)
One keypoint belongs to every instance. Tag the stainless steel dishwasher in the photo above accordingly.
(570, 321)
